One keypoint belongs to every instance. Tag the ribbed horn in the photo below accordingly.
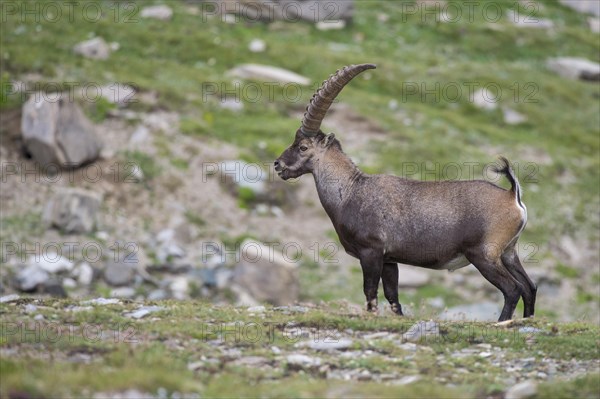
(323, 98)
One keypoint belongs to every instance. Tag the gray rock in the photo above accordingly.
(266, 275)
(575, 68)
(51, 263)
(84, 273)
(122, 292)
(30, 278)
(331, 25)
(239, 177)
(9, 298)
(158, 295)
(484, 99)
(73, 210)
(95, 48)
(409, 276)
(482, 311)
(179, 287)
(512, 117)
(58, 132)
(522, 390)
(160, 12)
(298, 360)
(144, 311)
(30, 308)
(257, 46)
(421, 331)
(583, 6)
(329, 344)
(268, 73)
(119, 272)
(101, 301)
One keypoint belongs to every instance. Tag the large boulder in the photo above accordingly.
(266, 274)
(57, 131)
(73, 210)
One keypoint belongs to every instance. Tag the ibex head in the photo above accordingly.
(310, 142)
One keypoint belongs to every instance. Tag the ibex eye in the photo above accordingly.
(303, 148)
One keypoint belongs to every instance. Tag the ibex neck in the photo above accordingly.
(335, 176)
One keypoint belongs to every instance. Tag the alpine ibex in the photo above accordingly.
(383, 220)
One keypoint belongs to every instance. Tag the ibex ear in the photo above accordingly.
(328, 139)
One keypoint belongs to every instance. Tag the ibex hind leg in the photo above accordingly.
(389, 276)
(372, 264)
(494, 271)
(511, 261)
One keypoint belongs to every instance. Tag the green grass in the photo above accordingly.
(154, 353)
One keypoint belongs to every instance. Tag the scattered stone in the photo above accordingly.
(57, 131)
(69, 283)
(512, 117)
(482, 311)
(252, 361)
(144, 311)
(119, 272)
(101, 301)
(411, 277)
(421, 331)
(257, 46)
(179, 288)
(331, 25)
(329, 344)
(522, 390)
(167, 247)
(161, 12)
(266, 275)
(72, 211)
(51, 263)
(30, 278)
(484, 99)
(30, 308)
(529, 330)
(256, 309)
(84, 273)
(122, 292)
(409, 379)
(298, 360)
(376, 335)
(575, 68)
(157, 295)
(9, 298)
(268, 73)
(96, 49)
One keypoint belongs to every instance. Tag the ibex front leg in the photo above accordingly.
(371, 262)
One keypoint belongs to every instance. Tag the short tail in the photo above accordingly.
(505, 169)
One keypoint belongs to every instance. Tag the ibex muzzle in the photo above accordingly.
(384, 220)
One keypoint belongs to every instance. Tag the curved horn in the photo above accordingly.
(323, 98)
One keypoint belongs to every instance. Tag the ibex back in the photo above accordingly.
(383, 220)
